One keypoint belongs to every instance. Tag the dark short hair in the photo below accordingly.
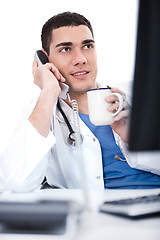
(61, 20)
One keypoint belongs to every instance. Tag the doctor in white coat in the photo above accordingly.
(39, 146)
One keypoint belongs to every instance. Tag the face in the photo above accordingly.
(72, 51)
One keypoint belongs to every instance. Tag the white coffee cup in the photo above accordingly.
(98, 113)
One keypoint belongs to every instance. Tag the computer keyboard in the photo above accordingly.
(148, 205)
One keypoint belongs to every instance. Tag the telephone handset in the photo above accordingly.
(41, 58)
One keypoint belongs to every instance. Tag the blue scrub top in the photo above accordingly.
(116, 173)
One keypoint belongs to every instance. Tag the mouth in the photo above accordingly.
(80, 74)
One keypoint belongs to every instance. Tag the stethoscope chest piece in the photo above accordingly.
(75, 139)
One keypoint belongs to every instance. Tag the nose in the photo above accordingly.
(79, 58)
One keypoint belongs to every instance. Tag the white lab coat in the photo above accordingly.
(29, 157)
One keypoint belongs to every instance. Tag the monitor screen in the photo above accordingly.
(144, 131)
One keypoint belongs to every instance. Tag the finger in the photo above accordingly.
(111, 99)
(62, 79)
(114, 90)
(56, 72)
(122, 114)
(113, 107)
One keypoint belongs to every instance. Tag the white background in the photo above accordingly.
(114, 23)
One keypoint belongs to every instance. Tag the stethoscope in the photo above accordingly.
(72, 135)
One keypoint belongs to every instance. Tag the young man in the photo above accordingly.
(40, 147)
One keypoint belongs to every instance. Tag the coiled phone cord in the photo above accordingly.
(75, 137)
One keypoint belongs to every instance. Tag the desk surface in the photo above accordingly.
(94, 225)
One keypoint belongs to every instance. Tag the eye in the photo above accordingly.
(65, 49)
(88, 46)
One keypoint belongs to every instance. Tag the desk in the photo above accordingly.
(95, 225)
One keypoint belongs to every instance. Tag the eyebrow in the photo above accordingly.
(66, 44)
(88, 41)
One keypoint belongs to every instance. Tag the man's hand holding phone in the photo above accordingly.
(47, 76)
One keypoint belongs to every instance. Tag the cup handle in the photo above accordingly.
(120, 98)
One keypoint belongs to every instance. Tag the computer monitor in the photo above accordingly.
(144, 131)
